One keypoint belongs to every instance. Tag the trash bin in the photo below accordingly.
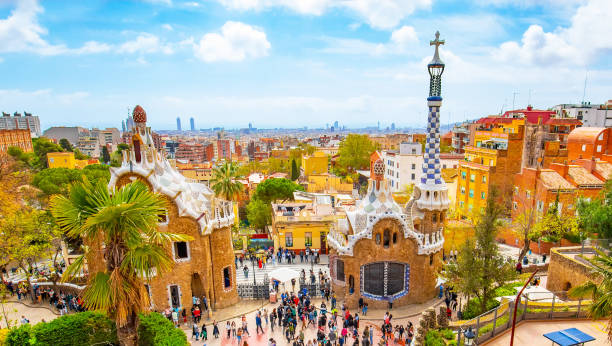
(272, 297)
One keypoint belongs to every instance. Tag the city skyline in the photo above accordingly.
(229, 63)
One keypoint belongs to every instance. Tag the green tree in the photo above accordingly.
(116, 157)
(65, 144)
(53, 181)
(79, 155)
(595, 216)
(105, 155)
(277, 166)
(600, 292)
(279, 188)
(480, 269)
(354, 152)
(553, 226)
(259, 213)
(42, 146)
(295, 173)
(224, 181)
(125, 221)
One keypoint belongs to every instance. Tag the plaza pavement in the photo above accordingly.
(531, 333)
(270, 266)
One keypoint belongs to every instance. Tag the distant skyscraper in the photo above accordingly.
(178, 124)
(250, 126)
(123, 129)
(392, 126)
(378, 126)
(336, 124)
(192, 124)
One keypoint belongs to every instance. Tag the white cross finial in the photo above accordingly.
(437, 42)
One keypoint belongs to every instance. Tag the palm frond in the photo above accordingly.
(97, 295)
(587, 289)
(75, 268)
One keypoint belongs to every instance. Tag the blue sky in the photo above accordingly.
(290, 63)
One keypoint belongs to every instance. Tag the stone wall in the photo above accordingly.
(423, 276)
(565, 272)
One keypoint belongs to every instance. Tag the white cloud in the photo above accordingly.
(92, 47)
(236, 42)
(579, 44)
(398, 43)
(167, 27)
(145, 43)
(381, 14)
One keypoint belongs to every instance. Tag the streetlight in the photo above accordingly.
(469, 336)
(253, 263)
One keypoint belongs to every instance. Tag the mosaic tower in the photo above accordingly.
(432, 188)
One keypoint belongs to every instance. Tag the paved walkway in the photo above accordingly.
(270, 266)
(531, 333)
(35, 314)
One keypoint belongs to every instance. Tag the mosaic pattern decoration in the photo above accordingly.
(431, 163)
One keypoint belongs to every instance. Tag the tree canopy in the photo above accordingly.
(53, 181)
(259, 213)
(273, 189)
(480, 269)
(354, 152)
(224, 182)
(65, 144)
(595, 216)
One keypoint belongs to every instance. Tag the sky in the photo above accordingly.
(295, 63)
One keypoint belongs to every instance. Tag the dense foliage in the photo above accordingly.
(85, 328)
(480, 269)
(224, 181)
(53, 181)
(596, 215)
(276, 189)
(259, 213)
(155, 329)
(354, 153)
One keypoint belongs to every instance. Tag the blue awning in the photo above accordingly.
(569, 337)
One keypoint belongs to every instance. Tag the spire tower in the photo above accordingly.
(432, 188)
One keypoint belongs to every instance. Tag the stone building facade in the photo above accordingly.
(203, 266)
(385, 253)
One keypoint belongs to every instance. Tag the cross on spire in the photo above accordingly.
(437, 42)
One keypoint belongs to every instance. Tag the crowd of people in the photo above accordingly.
(64, 302)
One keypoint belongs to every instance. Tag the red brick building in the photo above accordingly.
(15, 138)
(590, 142)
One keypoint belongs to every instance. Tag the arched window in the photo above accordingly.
(340, 270)
(384, 279)
(386, 238)
(434, 217)
(431, 259)
(377, 238)
(395, 238)
(351, 284)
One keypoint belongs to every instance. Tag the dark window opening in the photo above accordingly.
(372, 275)
(386, 238)
(175, 296)
(395, 278)
(434, 217)
(180, 250)
(227, 282)
(163, 217)
(395, 238)
(351, 284)
(340, 270)
(431, 259)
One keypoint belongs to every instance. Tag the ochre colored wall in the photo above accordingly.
(566, 272)
(423, 276)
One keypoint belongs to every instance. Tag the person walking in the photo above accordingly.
(265, 315)
(215, 330)
(204, 332)
(371, 334)
(258, 323)
(228, 329)
(195, 332)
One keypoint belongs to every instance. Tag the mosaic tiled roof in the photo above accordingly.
(139, 115)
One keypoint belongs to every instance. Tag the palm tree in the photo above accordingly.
(224, 182)
(125, 221)
(601, 293)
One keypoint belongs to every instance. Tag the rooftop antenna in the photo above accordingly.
(529, 100)
(501, 111)
(586, 74)
(514, 99)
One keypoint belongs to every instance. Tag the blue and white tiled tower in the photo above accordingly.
(432, 191)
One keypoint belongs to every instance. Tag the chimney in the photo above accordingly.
(565, 169)
(592, 164)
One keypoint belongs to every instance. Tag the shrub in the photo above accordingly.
(84, 328)
(155, 329)
(434, 338)
(452, 343)
(20, 336)
(447, 334)
(472, 308)
(3, 335)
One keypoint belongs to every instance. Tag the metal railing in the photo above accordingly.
(259, 290)
(539, 306)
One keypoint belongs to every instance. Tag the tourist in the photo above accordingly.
(24, 320)
(265, 315)
(228, 329)
(246, 271)
(519, 268)
(245, 326)
(204, 332)
(175, 317)
(258, 323)
(215, 330)
(195, 332)
(239, 335)
(233, 329)
(543, 258)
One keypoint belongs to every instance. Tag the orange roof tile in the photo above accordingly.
(582, 177)
(554, 180)
(605, 169)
